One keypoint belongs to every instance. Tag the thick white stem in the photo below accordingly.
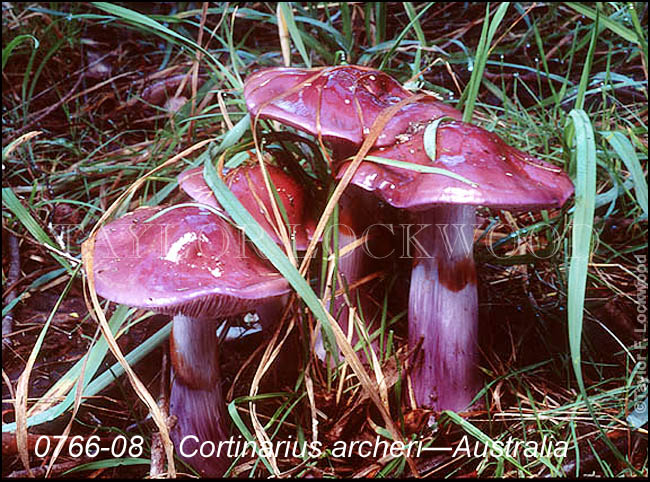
(196, 399)
(443, 309)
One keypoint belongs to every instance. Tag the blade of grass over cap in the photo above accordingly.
(277, 257)
(418, 168)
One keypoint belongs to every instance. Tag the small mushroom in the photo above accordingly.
(190, 263)
(339, 103)
(247, 183)
(443, 305)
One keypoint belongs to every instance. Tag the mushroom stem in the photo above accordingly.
(271, 312)
(196, 399)
(443, 308)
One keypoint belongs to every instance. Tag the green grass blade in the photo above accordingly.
(397, 42)
(110, 463)
(586, 70)
(419, 168)
(294, 31)
(625, 150)
(419, 33)
(241, 426)
(10, 200)
(40, 281)
(470, 93)
(234, 135)
(6, 52)
(481, 437)
(36, 349)
(610, 24)
(583, 219)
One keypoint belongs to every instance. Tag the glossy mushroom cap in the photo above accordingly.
(186, 260)
(503, 177)
(339, 103)
(247, 183)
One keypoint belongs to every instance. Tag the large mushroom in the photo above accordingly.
(190, 263)
(339, 105)
(443, 306)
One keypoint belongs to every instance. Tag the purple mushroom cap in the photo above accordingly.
(339, 103)
(503, 176)
(443, 299)
(191, 263)
(186, 260)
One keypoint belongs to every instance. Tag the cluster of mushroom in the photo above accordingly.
(339, 105)
(191, 262)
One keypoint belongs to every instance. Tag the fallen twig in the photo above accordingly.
(12, 278)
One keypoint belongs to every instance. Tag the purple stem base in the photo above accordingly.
(443, 309)
(196, 399)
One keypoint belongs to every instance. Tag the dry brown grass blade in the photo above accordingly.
(194, 74)
(283, 33)
(270, 354)
(20, 404)
(309, 386)
(224, 111)
(87, 250)
(344, 368)
(21, 140)
(68, 428)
